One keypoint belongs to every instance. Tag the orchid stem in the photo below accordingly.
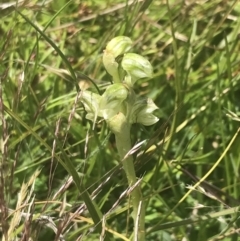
(123, 142)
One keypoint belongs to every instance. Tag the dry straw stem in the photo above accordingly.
(26, 199)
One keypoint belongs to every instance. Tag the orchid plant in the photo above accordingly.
(120, 107)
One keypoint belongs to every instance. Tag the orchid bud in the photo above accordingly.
(137, 67)
(117, 46)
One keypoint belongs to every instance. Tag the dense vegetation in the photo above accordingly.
(56, 169)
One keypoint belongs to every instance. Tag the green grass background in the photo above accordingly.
(48, 52)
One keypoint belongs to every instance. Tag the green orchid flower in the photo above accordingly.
(111, 101)
(142, 112)
(137, 67)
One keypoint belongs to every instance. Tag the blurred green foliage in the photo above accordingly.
(194, 49)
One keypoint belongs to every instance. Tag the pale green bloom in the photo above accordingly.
(142, 112)
(107, 105)
(112, 99)
(137, 67)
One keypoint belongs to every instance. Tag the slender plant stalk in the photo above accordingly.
(123, 142)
